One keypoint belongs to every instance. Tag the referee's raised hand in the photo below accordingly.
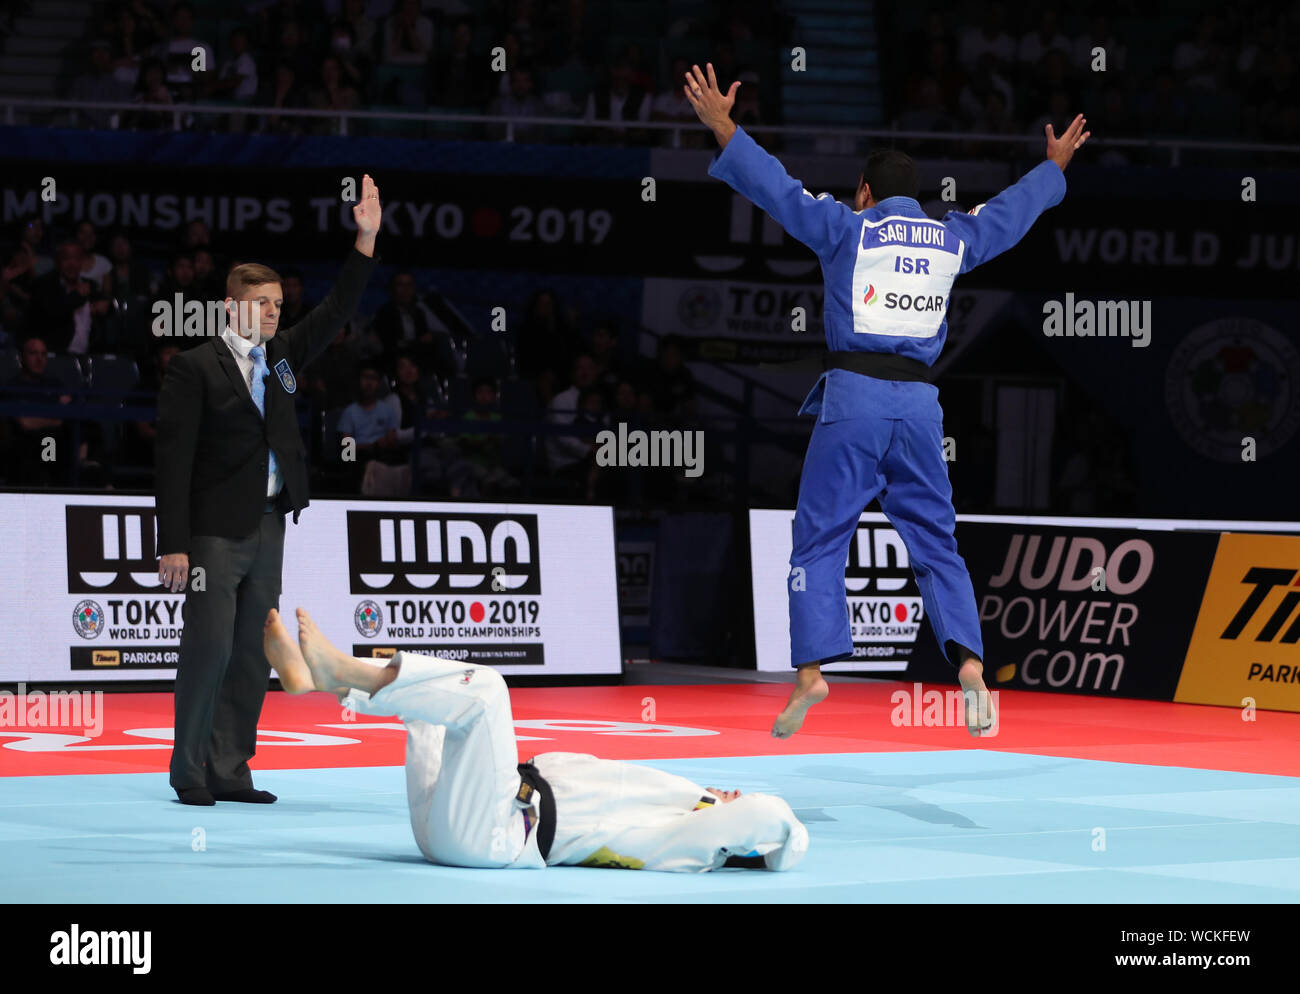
(712, 106)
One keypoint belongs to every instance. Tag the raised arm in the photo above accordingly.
(759, 176)
(309, 337)
(993, 227)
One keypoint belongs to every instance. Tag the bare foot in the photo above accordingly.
(809, 689)
(321, 658)
(981, 719)
(283, 655)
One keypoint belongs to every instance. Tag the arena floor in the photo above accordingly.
(1076, 799)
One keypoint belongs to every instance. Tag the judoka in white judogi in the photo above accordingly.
(464, 784)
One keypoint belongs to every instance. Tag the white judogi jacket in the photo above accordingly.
(463, 780)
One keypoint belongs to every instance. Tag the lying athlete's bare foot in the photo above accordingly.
(981, 718)
(322, 659)
(809, 689)
(283, 655)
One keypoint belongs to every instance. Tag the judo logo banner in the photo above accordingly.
(431, 553)
(464, 582)
(883, 602)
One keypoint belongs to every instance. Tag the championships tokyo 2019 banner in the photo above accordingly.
(526, 589)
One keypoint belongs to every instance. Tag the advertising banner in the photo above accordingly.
(1246, 644)
(1204, 612)
(527, 589)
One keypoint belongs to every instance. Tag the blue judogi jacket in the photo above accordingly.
(888, 269)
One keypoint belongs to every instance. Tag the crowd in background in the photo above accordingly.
(522, 58)
(383, 383)
(1225, 72)
(83, 295)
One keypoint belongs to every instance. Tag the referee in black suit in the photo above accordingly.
(230, 465)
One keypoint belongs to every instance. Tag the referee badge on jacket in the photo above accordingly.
(287, 381)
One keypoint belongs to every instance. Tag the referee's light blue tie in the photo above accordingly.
(260, 373)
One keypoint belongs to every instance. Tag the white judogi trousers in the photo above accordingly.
(462, 780)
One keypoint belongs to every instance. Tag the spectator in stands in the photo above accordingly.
(28, 434)
(196, 233)
(129, 42)
(519, 22)
(180, 280)
(924, 110)
(990, 36)
(1163, 107)
(65, 304)
(934, 27)
(592, 415)
(604, 351)
(237, 74)
(618, 100)
(566, 453)
(177, 52)
(294, 307)
(363, 27)
(125, 275)
(333, 93)
(355, 62)
(984, 80)
(1058, 113)
(672, 385)
(477, 471)
(208, 283)
(404, 323)
(513, 59)
(332, 376)
(670, 103)
(1199, 62)
(99, 84)
(141, 435)
(521, 102)
(15, 295)
(289, 93)
(96, 265)
(294, 52)
(1043, 39)
(748, 110)
(372, 425)
(544, 344)
(940, 67)
(459, 78)
(408, 35)
(150, 88)
(32, 243)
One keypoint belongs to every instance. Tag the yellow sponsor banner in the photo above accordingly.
(1246, 643)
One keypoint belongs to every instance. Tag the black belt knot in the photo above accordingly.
(534, 781)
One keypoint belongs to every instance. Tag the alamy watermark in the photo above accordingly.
(639, 447)
(82, 709)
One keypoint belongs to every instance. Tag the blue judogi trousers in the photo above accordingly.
(875, 438)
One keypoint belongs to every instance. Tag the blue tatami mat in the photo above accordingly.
(963, 826)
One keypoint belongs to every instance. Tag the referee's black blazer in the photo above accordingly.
(211, 453)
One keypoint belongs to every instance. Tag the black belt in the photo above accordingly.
(881, 365)
(534, 781)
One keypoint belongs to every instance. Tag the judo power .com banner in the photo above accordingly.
(525, 589)
(1201, 612)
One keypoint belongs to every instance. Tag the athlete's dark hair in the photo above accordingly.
(891, 173)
